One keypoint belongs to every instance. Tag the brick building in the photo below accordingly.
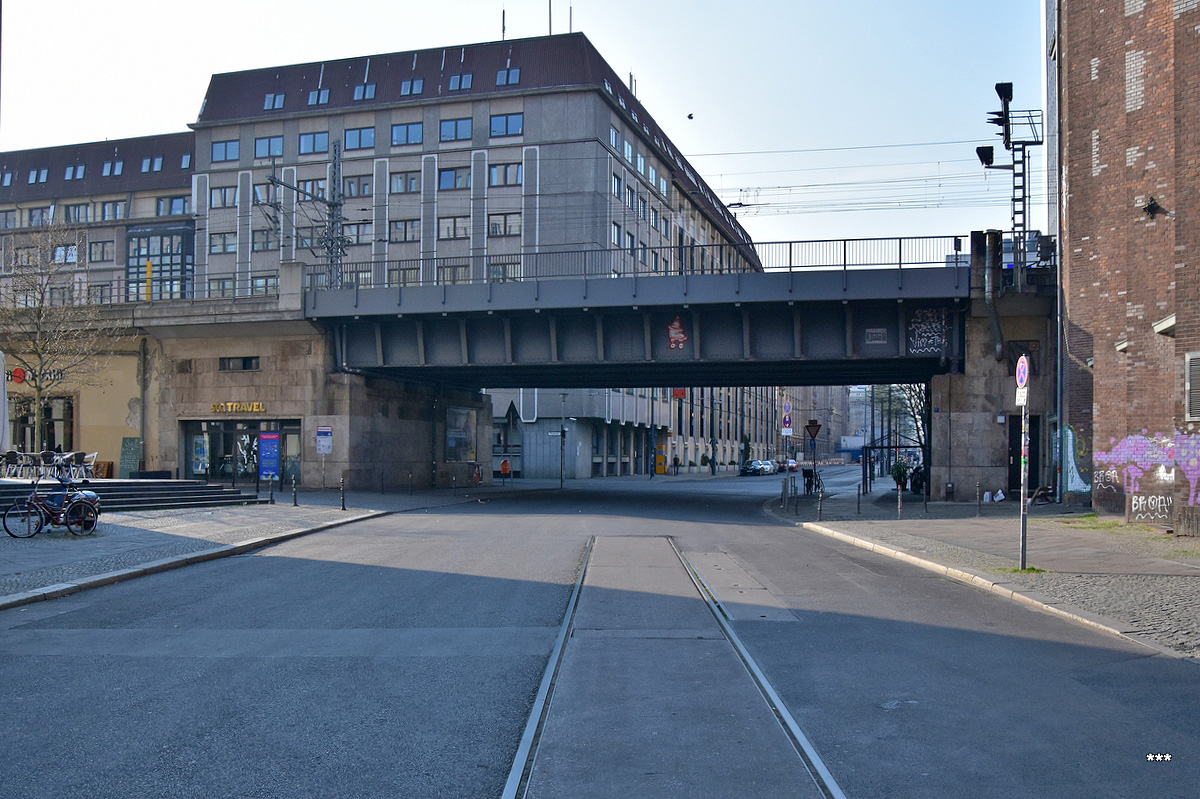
(1124, 74)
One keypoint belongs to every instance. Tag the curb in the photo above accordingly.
(167, 564)
(1026, 597)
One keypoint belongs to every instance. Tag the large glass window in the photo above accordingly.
(454, 227)
(267, 146)
(508, 124)
(456, 178)
(505, 175)
(223, 197)
(406, 133)
(314, 143)
(456, 129)
(170, 255)
(360, 138)
(58, 423)
(406, 230)
(406, 182)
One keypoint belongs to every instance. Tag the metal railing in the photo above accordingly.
(120, 289)
(690, 259)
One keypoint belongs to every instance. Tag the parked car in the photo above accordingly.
(791, 465)
(769, 467)
(748, 468)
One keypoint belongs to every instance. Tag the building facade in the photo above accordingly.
(464, 160)
(1125, 74)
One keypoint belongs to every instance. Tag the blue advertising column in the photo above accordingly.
(268, 456)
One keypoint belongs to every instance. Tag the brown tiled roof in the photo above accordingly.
(170, 147)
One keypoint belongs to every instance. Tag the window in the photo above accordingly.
(364, 91)
(654, 218)
(8, 220)
(74, 172)
(114, 209)
(504, 224)
(264, 240)
(171, 258)
(264, 285)
(265, 194)
(272, 102)
(360, 138)
(508, 77)
(172, 206)
(662, 186)
(222, 151)
(461, 81)
(616, 234)
(307, 237)
(507, 124)
(309, 189)
(614, 138)
(406, 182)
(222, 242)
(39, 216)
(185, 161)
(110, 169)
(318, 97)
(454, 227)
(99, 251)
(37, 176)
(505, 175)
(628, 151)
(406, 133)
(456, 129)
(267, 146)
(357, 186)
(247, 364)
(457, 178)
(224, 197)
(643, 209)
(406, 230)
(616, 185)
(414, 86)
(314, 143)
(357, 232)
(66, 254)
(7, 180)
(631, 198)
(652, 173)
(666, 227)
(641, 164)
(80, 212)
(220, 287)
(152, 164)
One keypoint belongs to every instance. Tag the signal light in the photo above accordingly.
(987, 155)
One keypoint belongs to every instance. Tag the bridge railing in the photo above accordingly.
(689, 259)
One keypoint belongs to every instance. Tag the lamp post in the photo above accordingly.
(562, 437)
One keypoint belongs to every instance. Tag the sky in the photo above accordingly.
(815, 120)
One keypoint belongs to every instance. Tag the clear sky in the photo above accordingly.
(799, 108)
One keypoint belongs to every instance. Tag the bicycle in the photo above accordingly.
(70, 506)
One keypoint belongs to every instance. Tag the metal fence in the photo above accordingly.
(120, 289)
(691, 259)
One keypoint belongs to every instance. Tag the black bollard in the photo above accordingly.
(294, 503)
(821, 503)
(978, 500)
(270, 492)
(342, 489)
(858, 500)
(410, 486)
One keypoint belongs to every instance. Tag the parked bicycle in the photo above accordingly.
(67, 506)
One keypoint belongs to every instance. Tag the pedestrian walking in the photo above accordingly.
(675, 463)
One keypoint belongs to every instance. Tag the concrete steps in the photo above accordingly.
(120, 495)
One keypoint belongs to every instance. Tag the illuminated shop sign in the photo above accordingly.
(238, 407)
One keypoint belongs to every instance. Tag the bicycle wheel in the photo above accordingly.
(81, 518)
(23, 520)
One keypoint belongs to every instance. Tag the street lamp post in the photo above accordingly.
(562, 437)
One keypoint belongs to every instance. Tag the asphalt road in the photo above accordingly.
(400, 657)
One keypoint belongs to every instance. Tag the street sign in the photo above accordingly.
(812, 429)
(787, 407)
(787, 431)
(1023, 371)
(1022, 397)
(324, 440)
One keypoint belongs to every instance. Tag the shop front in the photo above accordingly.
(228, 450)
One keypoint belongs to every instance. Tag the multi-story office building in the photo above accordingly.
(458, 161)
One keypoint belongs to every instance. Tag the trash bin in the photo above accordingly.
(949, 492)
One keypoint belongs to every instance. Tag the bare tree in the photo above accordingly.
(914, 405)
(51, 333)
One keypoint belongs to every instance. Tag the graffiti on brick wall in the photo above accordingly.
(927, 332)
(1076, 465)
(1141, 466)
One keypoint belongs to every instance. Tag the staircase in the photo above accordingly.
(125, 495)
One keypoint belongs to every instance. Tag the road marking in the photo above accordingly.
(808, 754)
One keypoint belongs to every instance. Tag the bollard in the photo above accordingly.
(978, 500)
(270, 492)
(821, 503)
(899, 503)
(454, 485)
(294, 503)
(858, 501)
(343, 492)
(410, 487)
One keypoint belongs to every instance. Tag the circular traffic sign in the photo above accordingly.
(1022, 371)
